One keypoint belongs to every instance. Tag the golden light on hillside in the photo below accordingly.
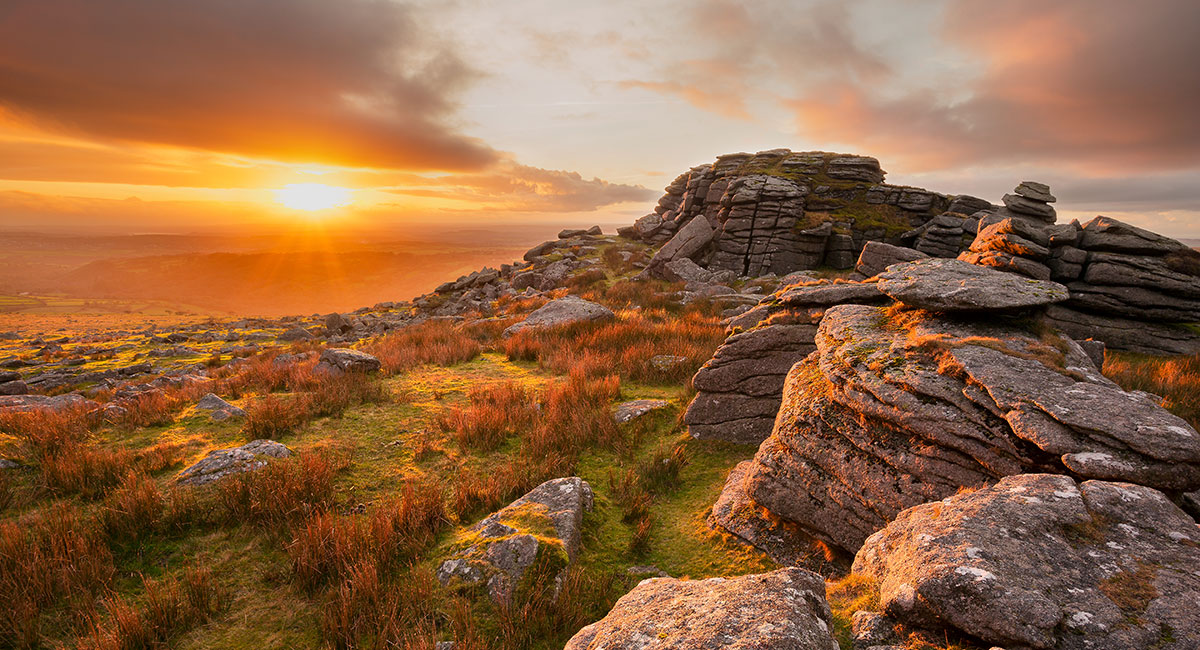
(312, 196)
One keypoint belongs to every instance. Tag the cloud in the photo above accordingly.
(512, 187)
(1104, 86)
(734, 53)
(352, 82)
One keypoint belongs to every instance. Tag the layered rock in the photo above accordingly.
(783, 610)
(896, 408)
(1040, 561)
(1119, 276)
(541, 528)
(777, 211)
(739, 389)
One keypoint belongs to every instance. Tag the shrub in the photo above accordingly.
(332, 395)
(436, 342)
(43, 433)
(86, 470)
(328, 546)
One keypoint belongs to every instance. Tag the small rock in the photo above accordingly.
(563, 311)
(223, 462)
(342, 360)
(627, 411)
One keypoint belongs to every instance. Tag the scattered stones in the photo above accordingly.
(296, 334)
(14, 387)
(782, 610)
(562, 311)
(9, 464)
(1039, 560)
(338, 361)
(57, 403)
(631, 410)
(953, 285)
(544, 524)
(223, 462)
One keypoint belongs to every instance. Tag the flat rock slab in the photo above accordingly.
(223, 462)
(954, 285)
(781, 610)
(1039, 560)
(634, 409)
(499, 550)
(562, 311)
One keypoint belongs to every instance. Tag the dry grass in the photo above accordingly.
(273, 416)
(53, 557)
(285, 491)
(436, 342)
(492, 414)
(167, 608)
(328, 546)
(625, 346)
(1176, 380)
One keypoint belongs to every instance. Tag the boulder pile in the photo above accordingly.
(778, 211)
(1129, 287)
(899, 406)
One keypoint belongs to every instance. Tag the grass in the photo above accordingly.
(337, 546)
(1176, 380)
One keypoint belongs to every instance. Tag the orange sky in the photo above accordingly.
(169, 116)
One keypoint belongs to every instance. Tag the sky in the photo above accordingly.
(140, 116)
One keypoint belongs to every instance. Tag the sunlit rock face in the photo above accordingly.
(897, 407)
(778, 211)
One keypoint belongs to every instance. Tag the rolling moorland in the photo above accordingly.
(794, 407)
(266, 275)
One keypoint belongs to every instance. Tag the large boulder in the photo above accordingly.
(220, 463)
(899, 408)
(1040, 561)
(543, 525)
(782, 610)
(567, 310)
(956, 286)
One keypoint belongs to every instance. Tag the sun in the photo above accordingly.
(312, 196)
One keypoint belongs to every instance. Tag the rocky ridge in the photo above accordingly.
(900, 406)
